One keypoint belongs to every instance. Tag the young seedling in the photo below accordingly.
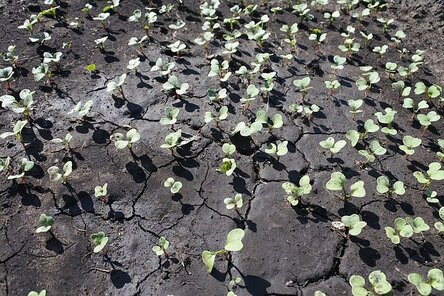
(291, 34)
(42, 71)
(16, 131)
(302, 85)
(399, 36)
(410, 104)
(219, 70)
(331, 16)
(294, 192)
(354, 136)
(332, 145)
(174, 185)
(375, 149)
(332, 85)
(304, 111)
(409, 144)
(170, 116)
(234, 203)
(274, 122)
(174, 140)
(383, 186)
(45, 224)
(116, 86)
(426, 120)
(228, 149)
(381, 50)
(277, 150)
(367, 80)
(40, 37)
(100, 43)
(162, 66)
(177, 47)
(252, 92)
(354, 107)
(162, 247)
(228, 166)
(138, 44)
(378, 281)
(390, 68)
(431, 92)
(99, 241)
(440, 154)
(24, 165)
(317, 36)
(81, 110)
(349, 46)
(125, 141)
(440, 224)
(418, 224)
(34, 293)
(434, 173)
(133, 64)
(24, 105)
(387, 119)
(217, 96)
(218, 116)
(55, 174)
(232, 244)
(205, 40)
(66, 141)
(338, 63)
(101, 192)
(102, 17)
(174, 84)
(402, 229)
(435, 280)
(352, 223)
(401, 88)
(337, 182)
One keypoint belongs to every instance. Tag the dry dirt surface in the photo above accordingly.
(291, 246)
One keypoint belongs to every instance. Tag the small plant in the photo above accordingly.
(375, 149)
(317, 35)
(219, 70)
(228, 166)
(338, 63)
(24, 165)
(353, 223)
(367, 80)
(34, 293)
(177, 46)
(435, 280)
(22, 106)
(402, 229)
(409, 144)
(45, 223)
(331, 16)
(228, 149)
(440, 154)
(378, 281)
(101, 192)
(410, 104)
(219, 116)
(401, 88)
(387, 119)
(277, 150)
(354, 107)
(100, 43)
(170, 116)
(99, 241)
(274, 122)
(235, 202)
(302, 85)
(174, 140)
(217, 96)
(337, 182)
(174, 84)
(16, 131)
(440, 224)
(125, 141)
(434, 173)
(162, 247)
(431, 92)
(381, 49)
(162, 66)
(66, 141)
(333, 146)
(174, 185)
(349, 46)
(81, 110)
(55, 174)
(294, 192)
(426, 120)
(251, 93)
(116, 86)
(304, 111)
(133, 64)
(383, 186)
(232, 244)
(354, 136)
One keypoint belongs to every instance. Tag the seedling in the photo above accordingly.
(319, 293)
(52, 58)
(277, 150)
(91, 68)
(41, 72)
(101, 192)
(418, 224)
(410, 104)
(434, 173)
(45, 223)
(318, 36)
(177, 47)
(133, 64)
(55, 174)
(217, 96)
(367, 80)
(402, 229)
(24, 105)
(304, 111)
(125, 141)
(331, 16)
(162, 66)
(354, 107)
(228, 166)
(174, 185)
(235, 202)
(380, 49)
(432, 92)
(205, 40)
(412, 68)
(383, 186)
(294, 192)
(354, 136)
(337, 182)
(218, 116)
(138, 43)
(145, 20)
(116, 86)
(440, 224)
(435, 280)
(409, 144)
(28, 24)
(220, 70)
(174, 140)
(430, 196)
(378, 281)
(102, 17)
(24, 165)
(99, 241)
(66, 141)
(401, 88)
(40, 38)
(332, 85)
(170, 116)
(174, 84)
(349, 46)
(390, 68)
(228, 149)
(16, 131)
(387, 119)
(34, 293)
(81, 110)
(426, 120)
(353, 223)
(232, 244)
(332, 145)
(252, 92)
(291, 34)
(162, 247)
(274, 122)
(5, 75)
(302, 85)
(5, 165)
(440, 154)
(338, 63)
(375, 149)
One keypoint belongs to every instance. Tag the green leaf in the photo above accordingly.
(45, 223)
(379, 282)
(234, 240)
(208, 259)
(99, 240)
(336, 182)
(382, 184)
(353, 136)
(357, 189)
(358, 283)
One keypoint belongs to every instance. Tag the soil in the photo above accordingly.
(287, 250)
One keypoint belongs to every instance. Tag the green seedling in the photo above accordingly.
(228, 149)
(304, 111)
(319, 293)
(40, 37)
(277, 150)
(302, 85)
(318, 36)
(435, 280)
(16, 131)
(24, 165)
(399, 36)
(432, 92)
(274, 122)
(354, 107)
(412, 68)
(219, 70)
(230, 48)
(232, 244)
(401, 88)
(390, 68)
(133, 64)
(5, 75)
(101, 192)
(337, 182)
(378, 281)
(426, 120)
(409, 144)
(146, 20)
(387, 119)
(81, 110)
(331, 16)
(34, 293)
(42, 71)
(217, 96)
(177, 47)
(294, 192)
(162, 247)
(56, 175)
(375, 149)
(116, 86)
(218, 116)
(99, 241)
(45, 224)
(125, 141)
(251, 93)
(367, 37)
(440, 154)
(228, 166)
(139, 44)
(349, 46)
(430, 196)
(174, 84)
(28, 24)
(302, 10)
(333, 146)
(204, 40)
(268, 82)
(367, 80)
(91, 68)
(402, 229)
(338, 63)
(52, 58)
(234, 283)
(383, 186)
(174, 140)
(332, 85)
(112, 6)
(247, 130)
(24, 105)
(434, 173)
(381, 49)
(235, 202)
(100, 43)
(353, 223)
(163, 67)
(170, 116)
(291, 34)
(410, 104)
(174, 185)
(66, 141)
(418, 224)
(5, 165)
(440, 224)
